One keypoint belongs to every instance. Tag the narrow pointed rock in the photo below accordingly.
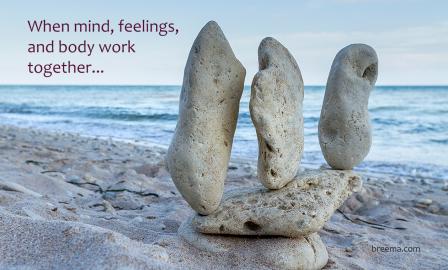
(276, 111)
(345, 134)
(199, 152)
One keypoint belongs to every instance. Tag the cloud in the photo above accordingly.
(407, 55)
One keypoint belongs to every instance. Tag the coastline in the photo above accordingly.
(69, 201)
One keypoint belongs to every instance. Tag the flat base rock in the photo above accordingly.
(299, 209)
(246, 252)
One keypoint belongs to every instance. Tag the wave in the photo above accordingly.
(388, 109)
(428, 127)
(388, 121)
(113, 113)
(442, 141)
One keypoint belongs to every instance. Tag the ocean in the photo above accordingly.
(410, 123)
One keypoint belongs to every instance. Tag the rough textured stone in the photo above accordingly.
(276, 111)
(344, 127)
(199, 153)
(307, 252)
(298, 209)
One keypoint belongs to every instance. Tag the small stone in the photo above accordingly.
(412, 179)
(90, 178)
(344, 127)
(438, 181)
(276, 111)
(307, 252)
(400, 180)
(424, 182)
(387, 181)
(199, 152)
(419, 205)
(443, 209)
(425, 201)
(74, 179)
(300, 208)
(434, 209)
(137, 219)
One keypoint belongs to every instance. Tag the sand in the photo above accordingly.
(72, 202)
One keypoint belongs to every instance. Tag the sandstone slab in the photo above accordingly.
(307, 252)
(276, 111)
(300, 208)
(345, 134)
(199, 153)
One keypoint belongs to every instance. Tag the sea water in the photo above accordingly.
(410, 123)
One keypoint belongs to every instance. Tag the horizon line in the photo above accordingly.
(179, 85)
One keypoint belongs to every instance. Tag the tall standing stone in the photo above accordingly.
(276, 111)
(199, 153)
(344, 128)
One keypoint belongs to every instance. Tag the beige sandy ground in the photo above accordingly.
(71, 202)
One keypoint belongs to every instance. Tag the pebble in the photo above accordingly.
(434, 209)
(424, 182)
(425, 201)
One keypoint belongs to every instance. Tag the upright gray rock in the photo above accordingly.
(199, 153)
(276, 111)
(344, 128)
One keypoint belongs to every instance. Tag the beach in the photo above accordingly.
(70, 201)
(299, 135)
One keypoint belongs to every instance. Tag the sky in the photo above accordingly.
(409, 36)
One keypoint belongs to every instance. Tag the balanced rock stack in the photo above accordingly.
(291, 208)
